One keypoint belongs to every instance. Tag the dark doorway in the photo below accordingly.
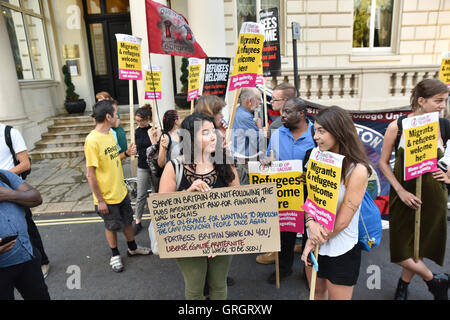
(105, 18)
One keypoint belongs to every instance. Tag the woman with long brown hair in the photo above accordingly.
(339, 251)
(429, 95)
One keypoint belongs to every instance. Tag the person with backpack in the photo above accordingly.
(428, 95)
(14, 157)
(20, 265)
(203, 167)
(144, 138)
(339, 251)
(167, 148)
(289, 142)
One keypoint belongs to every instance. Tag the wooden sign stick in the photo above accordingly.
(277, 260)
(312, 291)
(233, 113)
(417, 220)
(192, 106)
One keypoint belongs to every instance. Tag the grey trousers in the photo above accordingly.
(143, 184)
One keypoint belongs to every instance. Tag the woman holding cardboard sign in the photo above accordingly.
(339, 252)
(428, 96)
(201, 170)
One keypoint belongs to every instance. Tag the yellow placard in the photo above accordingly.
(421, 138)
(444, 73)
(323, 178)
(129, 56)
(194, 80)
(290, 193)
(248, 56)
(153, 83)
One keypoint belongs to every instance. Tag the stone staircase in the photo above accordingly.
(65, 138)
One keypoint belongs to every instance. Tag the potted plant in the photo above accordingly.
(73, 103)
(181, 98)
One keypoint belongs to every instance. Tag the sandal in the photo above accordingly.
(116, 264)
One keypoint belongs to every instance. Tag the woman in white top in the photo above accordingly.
(339, 253)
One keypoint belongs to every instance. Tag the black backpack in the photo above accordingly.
(8, 140)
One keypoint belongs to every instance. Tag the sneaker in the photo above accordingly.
(45, 269)
(266, 258)
(116, 264)
(137, 228)
(139, 251)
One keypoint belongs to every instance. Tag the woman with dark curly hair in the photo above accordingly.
(204, 168)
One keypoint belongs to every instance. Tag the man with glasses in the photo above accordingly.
(281, 93)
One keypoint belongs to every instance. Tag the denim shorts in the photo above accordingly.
(119, 215)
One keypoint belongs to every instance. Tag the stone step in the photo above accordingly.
(65, 138)
(40, 153)
(84, 127)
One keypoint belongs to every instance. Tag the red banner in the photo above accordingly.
(169, 32)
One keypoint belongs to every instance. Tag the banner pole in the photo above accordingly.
(233, 113)
(265, 116)
(417, 220)
(314, 276)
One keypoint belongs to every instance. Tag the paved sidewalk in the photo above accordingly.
(63, 185)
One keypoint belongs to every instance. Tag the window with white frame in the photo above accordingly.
(372, 26)
(24, 21)
(248, 10)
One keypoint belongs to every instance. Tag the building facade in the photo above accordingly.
(358, 54)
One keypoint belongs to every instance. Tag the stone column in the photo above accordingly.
(207, 22)
(11, 102)
(139, 27)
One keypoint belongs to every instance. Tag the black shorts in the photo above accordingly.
(341, 270)
(119, 215)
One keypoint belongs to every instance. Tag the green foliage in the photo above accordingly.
(71, 95)
(184, 75)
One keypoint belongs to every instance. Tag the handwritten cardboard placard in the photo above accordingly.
(153, 82)
(286, 175)
(222, 221)
(129, 55)
(323, 177)
(195, 66)
(421, 137)
(247, 60)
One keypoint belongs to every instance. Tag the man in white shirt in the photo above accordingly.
(20, 149)
(7, 163)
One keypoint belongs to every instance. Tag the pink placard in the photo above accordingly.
(243, 80)
(153, 95)
(125, 74)
(322, 216)
(292, 221)
(421, 168)
(192, 95)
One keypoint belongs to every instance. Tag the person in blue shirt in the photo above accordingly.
(19, 266)
(289, 142)
(247, 137)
